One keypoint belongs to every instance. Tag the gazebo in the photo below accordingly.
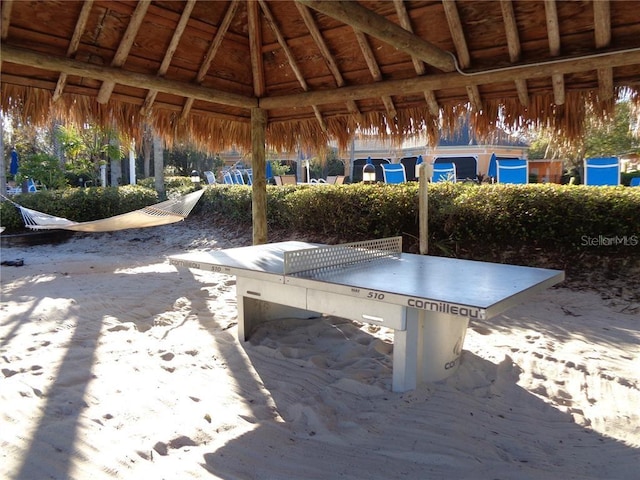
(286, 74)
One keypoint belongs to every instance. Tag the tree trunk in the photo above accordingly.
(116, 166)
(146, 148)
(158, 167)
(3, 178)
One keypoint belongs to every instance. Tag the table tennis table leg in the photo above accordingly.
(440, 345)
(405, 353)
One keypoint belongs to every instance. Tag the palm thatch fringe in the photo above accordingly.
(215, 133)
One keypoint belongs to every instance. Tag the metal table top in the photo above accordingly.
(418, 281)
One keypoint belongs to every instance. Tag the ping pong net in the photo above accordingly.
(335, 257)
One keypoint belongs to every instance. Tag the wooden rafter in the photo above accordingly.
(290, 58)
(513, 44)
(454, 80)
(374, 68)
(377, 26)
(211, 53)
(464, 59)
(405, 22)
(355, 92)
(326, 53)
(553, 33)
(6, 18)
(73, 45)
(255, 47)
(117, 75)
(125, 46)
(168, 55)
(602, 26)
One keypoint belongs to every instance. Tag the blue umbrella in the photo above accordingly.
(13, 169)
(493, 166)
(268, 170)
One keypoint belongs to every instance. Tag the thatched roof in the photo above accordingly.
(321, 70)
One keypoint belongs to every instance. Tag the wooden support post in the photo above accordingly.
(258, 163)
(423, 208)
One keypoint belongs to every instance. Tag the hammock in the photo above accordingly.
(163, 213)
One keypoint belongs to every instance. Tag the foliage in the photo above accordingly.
(184, 159)
(171, 183)
(487, 222)
(278, 168)
(87, 148)
(78, 204)
(329, 164)
(43, 169)
(613, 137)
(464, 219)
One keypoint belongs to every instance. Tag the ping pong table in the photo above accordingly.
(427, 301)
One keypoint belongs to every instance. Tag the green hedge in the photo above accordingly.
(464, 220)
(78, 204)
(561, 218)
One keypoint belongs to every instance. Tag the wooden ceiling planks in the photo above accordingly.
(325, 63)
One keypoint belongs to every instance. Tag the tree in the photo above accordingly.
(88, 148)
(611, 137)
(185, 159)
(42, 168)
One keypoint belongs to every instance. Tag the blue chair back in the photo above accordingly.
(31, 186)
(635, 182)
(444, 172)
(227, 178)
(394, 173)
(602, 171)
(512, 171)
(238, 179)
(211, 178)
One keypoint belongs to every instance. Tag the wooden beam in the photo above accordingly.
(553, 33)
(513, 43)
(259, 185)
(293, 64)
(464, 59)
(453, 80)
(602, 27)
(168, 55)
(291, 58)
(255, 47)
(374, 68)
(117, 75)
(125, 46)
(73, 45)
(7, 5)
(377, 26)
(560, 66)
(310, 22)
(405, 22)
(211, 53)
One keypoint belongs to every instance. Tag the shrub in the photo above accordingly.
(464, 219)
(78, 204)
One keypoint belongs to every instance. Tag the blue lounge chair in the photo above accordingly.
(238, 179)
(211, 178)
(602, 171)
(512, 171)
(394, 173)
(444, 172)
(227, 178)
(635, 182)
